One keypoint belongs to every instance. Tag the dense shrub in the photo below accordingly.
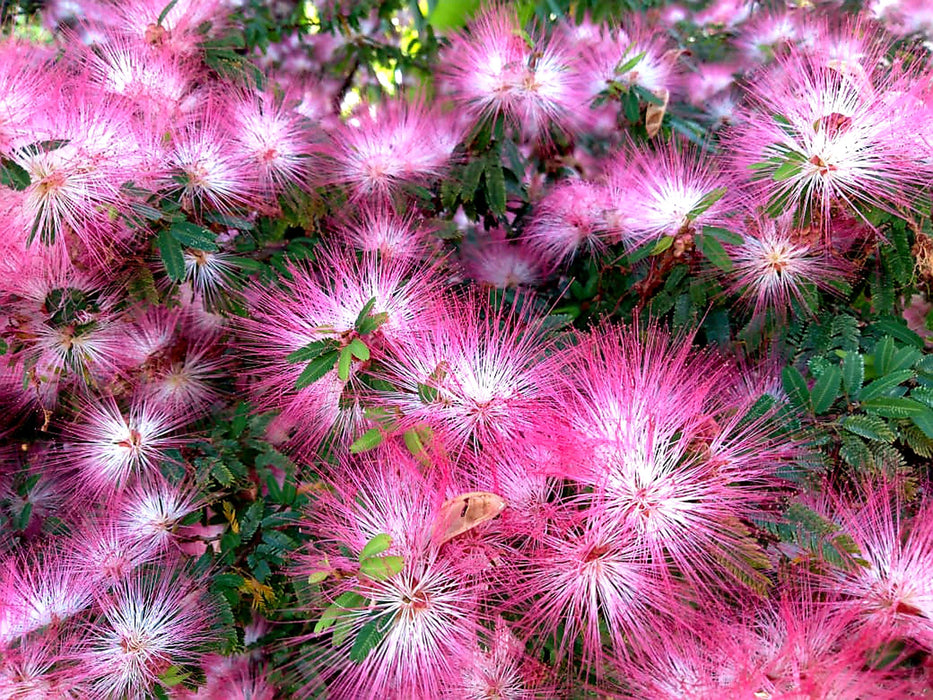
(424, 350)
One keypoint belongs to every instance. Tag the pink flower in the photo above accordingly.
(666, 193)
(377, 229)
(379, 149)
(776, 265)
(670, 457)
(325, 305)
(429, 612)
(476, 376)
(824, 134)
(494, 67)
(572, 217)
(211, 174)
(272, 139)
(147, 514)
(110, 447)
(590, 581)
(490, 258)
(889, 586)
(39, 589)
(150, 621)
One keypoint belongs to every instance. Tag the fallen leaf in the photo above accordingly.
(466, 511)
(654, 114)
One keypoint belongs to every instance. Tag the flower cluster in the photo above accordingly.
(567, 355)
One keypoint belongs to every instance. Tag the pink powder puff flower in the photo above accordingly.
(66, 321)
(185, 381)
(710, 80)
(377, 150)
(673, 191)
(42, 667)
(102, 550)
(477, 376)
(39, 589)
(725, 12)
(149, 621)
(670, 456)
(776, 264)
(325, 305)
(903, 16)
(181, 30)
(490, 258)
(649, 63)
(590, 582)
(429, 609)
(494, 67)
(273, 139)
(766, 35)
(833, 135)
(212, 275)
(230, 678)
(158, 83)
(148, 513)
(77, 180)
(431, 617)
(891, 591)
(109, 446)
(806, 646)
(500, 669)
(378, 230)
(25, 87)
(569, 218)
(212, 175)
(703, 657)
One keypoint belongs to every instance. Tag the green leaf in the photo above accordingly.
(708, 200)
(315, 348)
(377, 545)
(13, 175)
(316, 369)
(894, 407)
(413, 442)
(369, 440)
(795, 386)
(364, 313)
(924, 421)
(897, 329)
(664, 242)
(629, 64)
(165, 11)
(869, 427)
(723, 235)
(714, 252)
(884, 353)
(788, 169)
(853, 372)
(372, 322)
(369, 636)
(359, 349)
(173, 257)
(471, 176)
(318, 577)
(381, 568)
(825, 389)
(903, 358)
(193, 236)
(173, 676)
(349, 602)
(343, 363)
(884, 384)
(495, 185)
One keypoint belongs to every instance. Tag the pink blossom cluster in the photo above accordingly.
(556, 510)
